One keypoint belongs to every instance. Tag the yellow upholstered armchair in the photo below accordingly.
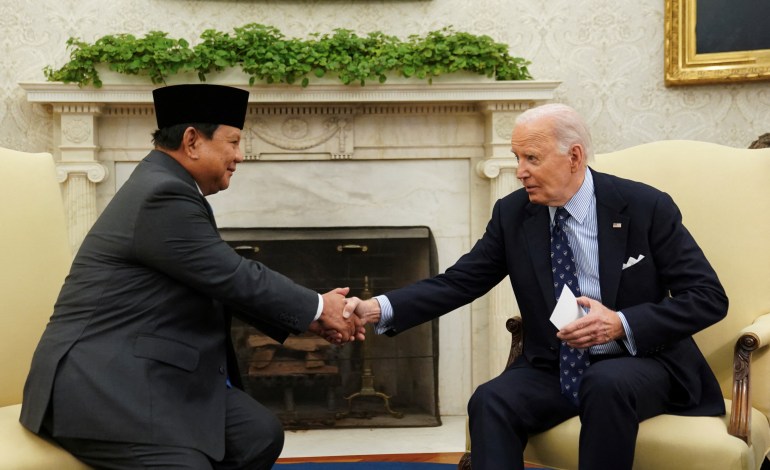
(724, 196)
(34, 259)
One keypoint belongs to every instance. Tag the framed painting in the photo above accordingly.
(716, 41)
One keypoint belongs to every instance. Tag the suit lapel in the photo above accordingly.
(209, 210)
(613, 227)
(537, 232)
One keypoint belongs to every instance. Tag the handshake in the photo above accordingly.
(343, 319)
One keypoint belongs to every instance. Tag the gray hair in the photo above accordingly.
(569, 127)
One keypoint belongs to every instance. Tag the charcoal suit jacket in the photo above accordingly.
(669, 295)
(137, 347)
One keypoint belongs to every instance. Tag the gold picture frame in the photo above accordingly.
(684, 66)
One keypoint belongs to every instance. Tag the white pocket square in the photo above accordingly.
(632, 261)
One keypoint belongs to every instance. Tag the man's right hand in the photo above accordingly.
(368, 311)
(337, 324)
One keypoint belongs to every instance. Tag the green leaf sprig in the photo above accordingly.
(267, 56)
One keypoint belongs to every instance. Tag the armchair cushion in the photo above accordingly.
(24, 450)
(704, 436)
(35, 254)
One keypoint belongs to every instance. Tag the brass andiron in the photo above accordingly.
(367, 377)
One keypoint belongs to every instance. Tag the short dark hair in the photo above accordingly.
(171, 137)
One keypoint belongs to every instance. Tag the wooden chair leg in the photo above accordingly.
(465, 462)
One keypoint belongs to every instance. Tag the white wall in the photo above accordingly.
(608, 54)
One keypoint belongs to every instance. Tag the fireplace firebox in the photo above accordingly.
(309, 383)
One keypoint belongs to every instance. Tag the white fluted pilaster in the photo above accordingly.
(79, 192)
(500, 169)
(502, 304)
(78, 168)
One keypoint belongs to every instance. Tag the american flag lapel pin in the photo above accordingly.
(617, 225)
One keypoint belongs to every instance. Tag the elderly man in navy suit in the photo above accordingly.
(643, 282)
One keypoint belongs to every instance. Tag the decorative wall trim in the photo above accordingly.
(528, 91)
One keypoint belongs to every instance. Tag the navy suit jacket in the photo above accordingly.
(137, 348)
(667, 297)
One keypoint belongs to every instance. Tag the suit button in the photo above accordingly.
(221, 370)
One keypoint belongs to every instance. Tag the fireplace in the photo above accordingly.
(383, 155)
(308, 383)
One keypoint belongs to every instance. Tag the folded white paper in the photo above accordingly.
(567, 309)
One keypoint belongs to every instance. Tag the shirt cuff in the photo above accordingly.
(386, 315)
(320, 307)
(629, 339)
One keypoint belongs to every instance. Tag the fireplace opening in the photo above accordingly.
(310, 384)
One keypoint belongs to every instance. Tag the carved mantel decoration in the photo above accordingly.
(459, 126)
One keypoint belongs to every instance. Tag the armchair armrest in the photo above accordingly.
(515, 327)
(753, 337)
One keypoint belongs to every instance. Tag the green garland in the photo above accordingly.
(264, 54)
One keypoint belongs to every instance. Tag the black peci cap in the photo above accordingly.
(199, 103)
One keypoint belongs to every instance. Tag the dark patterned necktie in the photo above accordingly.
(572, 362)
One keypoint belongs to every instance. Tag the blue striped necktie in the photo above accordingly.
(572, 362)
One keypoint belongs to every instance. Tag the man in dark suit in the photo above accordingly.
(136, 368)
(644, 283)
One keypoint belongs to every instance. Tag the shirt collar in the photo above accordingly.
(581, 202)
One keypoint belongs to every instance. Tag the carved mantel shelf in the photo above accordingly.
(93, 128)
(473, 91)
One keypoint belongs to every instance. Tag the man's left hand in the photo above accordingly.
(600, 325)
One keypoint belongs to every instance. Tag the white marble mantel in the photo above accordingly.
(393, 154)
(416, 92)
